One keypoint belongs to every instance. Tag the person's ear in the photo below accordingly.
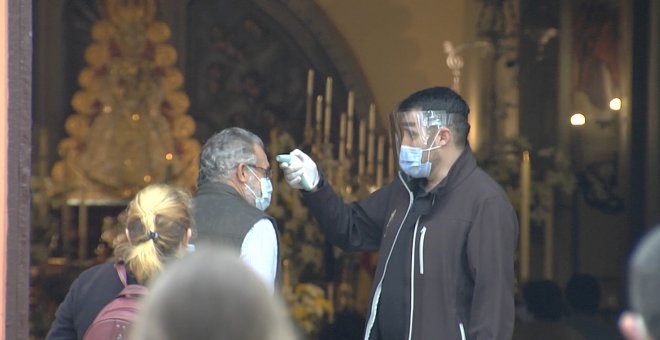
(632, 326)
(445, 136)
(242, 173)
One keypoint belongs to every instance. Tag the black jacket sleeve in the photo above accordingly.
(351, 226)
(491, 255)
(63, 326)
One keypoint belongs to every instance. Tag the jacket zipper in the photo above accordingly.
(421, 250)
(460, 326)
(412, 281)
(373, 310)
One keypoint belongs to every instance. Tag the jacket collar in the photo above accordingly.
(459, 171)
(218, 188)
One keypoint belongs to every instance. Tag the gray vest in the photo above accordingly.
(222, 215)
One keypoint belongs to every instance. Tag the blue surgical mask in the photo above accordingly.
(262, 203)
(410, 161)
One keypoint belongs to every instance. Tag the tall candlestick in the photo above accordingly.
(82, 228)
(372, 116)
(349, 127)
(310, 82)
(362, 141)
(525, 199)
(548, 247)
(43, 153)
(273, 163)
(286, 278)
(342, 138)
(371, 148)
(319, 120)
(308, 105)
(328, 110)
(380, 158)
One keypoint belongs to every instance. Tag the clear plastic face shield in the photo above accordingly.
(414, 133)
(418, 128)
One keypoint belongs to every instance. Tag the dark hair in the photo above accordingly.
(543, 299)
(644, 280)
(442, 98)
(224, 151)
(583, 293)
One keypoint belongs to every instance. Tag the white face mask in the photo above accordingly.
(263, 202)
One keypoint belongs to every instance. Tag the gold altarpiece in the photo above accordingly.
(130, 126)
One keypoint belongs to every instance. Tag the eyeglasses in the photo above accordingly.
(267, 171)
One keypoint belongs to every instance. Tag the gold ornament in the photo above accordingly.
(77, 126)
(97, 55)
(82, 101)
(102, 31)
(184, 126)
(158, 32)
(165, 55)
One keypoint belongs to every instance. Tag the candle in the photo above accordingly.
(372, 116)
(349, 127)
(548, 247)
(362, 139)
(273, 163)
(328, 110)
(82, 228)
(319, 119)
(331, 300)
(308, 105)
(525, 199)
(43, 153)
(372, 140)
(342, 137)
(381, 156)
(286, 278)
(310, 82)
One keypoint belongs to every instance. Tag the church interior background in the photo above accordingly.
(125, 92)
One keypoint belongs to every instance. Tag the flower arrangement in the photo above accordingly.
(310, 308)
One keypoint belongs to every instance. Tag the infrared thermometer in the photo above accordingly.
(286, 158)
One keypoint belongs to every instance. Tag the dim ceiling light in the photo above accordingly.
(578, 119)
(615, 104)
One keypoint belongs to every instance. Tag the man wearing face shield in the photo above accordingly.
(445, 230)
(234, 190)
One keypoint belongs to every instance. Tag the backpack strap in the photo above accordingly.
(121, 271)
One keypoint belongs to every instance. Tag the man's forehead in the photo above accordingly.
(409, 119)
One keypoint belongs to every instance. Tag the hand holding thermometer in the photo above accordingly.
(286, 158)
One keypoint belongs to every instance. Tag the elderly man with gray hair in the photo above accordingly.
(234, 190)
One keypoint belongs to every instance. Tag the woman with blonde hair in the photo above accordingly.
(158, 228)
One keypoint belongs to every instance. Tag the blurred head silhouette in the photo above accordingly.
(543, 299)
(583, 293)
(211, 294)
(642, 322)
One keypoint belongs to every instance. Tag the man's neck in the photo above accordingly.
(442, 168)
(237, 186)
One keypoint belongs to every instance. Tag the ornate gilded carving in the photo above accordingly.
(130, 126)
